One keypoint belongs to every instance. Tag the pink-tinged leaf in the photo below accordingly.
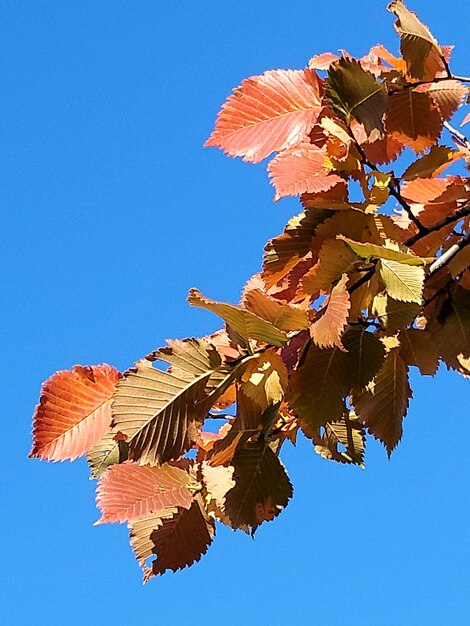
(74, 412)
(301, 170)
(327, 330)
(268, 113)
(130, 491)
(322, 61)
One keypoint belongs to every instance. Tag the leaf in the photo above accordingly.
(262, 488)
(447, 95)
(333, 261)
(264, 379)
(268, 113)
(217, 482)
(413, 119)
(283, 316)
(74, 412)
(285, 251)
(178, 540)
(244, 323)
(416, 41)
(383, 405)
(319, 386)
(401, 281)
(432, 164)
(354, 92)
(394, 314)
(301, 169)
(106, 452)
(349, 434)
(322, 61)
(366, 354)
(419, 348)
(129, 491)
(327, 330)
(160, 412)
(383, 150)
(373, 251)
(453, 337)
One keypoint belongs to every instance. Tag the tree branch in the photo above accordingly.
(449, 219)
(458, 134)
(449, 254)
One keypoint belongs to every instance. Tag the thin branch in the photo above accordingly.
(463, 79)
(449, 219)
(449, 254)
(458, 134)
(363, 280)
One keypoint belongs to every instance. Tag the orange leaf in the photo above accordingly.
(446, 94)
(299, 170)
(327, 330)
(268, 113)
(74, 412)
(130, 491)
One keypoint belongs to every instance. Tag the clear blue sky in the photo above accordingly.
(111, 210)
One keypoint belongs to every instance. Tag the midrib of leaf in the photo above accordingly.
(250, 484)
(79, 423)
(366, 98)
(397, 276)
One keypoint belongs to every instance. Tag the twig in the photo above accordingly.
(458, 134)
(449, 254)
(449, 219)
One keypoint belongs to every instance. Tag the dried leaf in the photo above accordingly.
(268, 113)
(129, 491)
(74, 412)
(383, 405)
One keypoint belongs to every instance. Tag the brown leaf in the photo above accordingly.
(348, 434)
(447, 95)
(453, 336)
(74, 412)
(383, 405)
(130, 491)
(334, 260)
(328, 328)
(268, 113)
(432, 164)
(419, 348)
(366, 354)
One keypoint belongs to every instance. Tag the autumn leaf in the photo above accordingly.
(413, 119)
(432, 164)
(268, 113)
(106, 452)
(402, 282)
(418, 347)
(280, 314)
(393, 314)
(370, 251)
(416, 41)
(366, 355)
(383, 405)
(246, 324)
(319, 386)
(453, 336)
(447, 95)
(301, 169)
(327, 329)
(74, 412)
(355, 93)
(178, 538)
(343, 441)
(130, 491)
(334, 260)
(262, 488)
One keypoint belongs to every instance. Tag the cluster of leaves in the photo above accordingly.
(351, 295)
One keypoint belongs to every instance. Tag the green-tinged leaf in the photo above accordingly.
(177, 538)
(366, 353)
(369, 251)
(106, 452)
(418, 347)
(355, 93)
(319, 386)
(343, 441)
(328, 328)
(334, 260)
(402, 282)
(416, 41)
(160, 413)
(384, 403)
(262, 488)
(431, 164)
(284, 252)
(247, 325)
(283, 316)
(394, 314)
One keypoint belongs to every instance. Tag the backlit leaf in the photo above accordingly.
(416, 41)
(262, 488)
(106, 452)
(401, 281)
(327, 330)
(366, 354)
(334, 260)
(355, 93)
(370, 251)
(301, 169)
(130, 491)
(394, 314)
(268, 113)
(447, 95)
(74, 412)
(246, 324)
(419, 348)
(453, 337)
(413, 119)
(280, 314)
(343, 441)
(383, 405)
(431, 164)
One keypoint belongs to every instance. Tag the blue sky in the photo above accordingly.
(111, 210)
